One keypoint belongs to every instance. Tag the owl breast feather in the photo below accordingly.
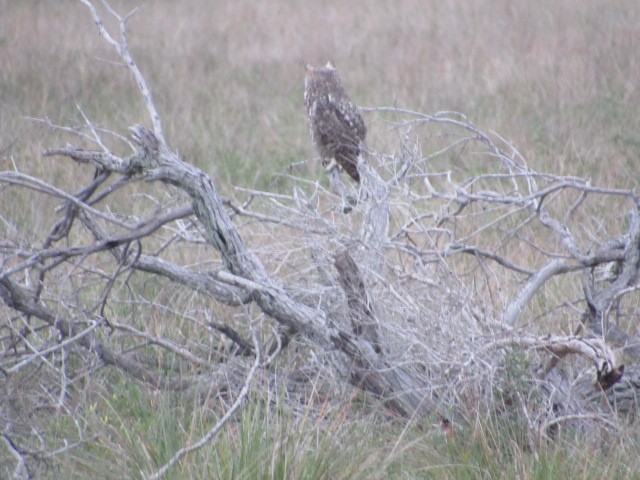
(337, 130)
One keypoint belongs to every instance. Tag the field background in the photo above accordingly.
(559, 79)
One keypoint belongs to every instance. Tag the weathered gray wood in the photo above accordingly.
(399, 389)
(363, 321)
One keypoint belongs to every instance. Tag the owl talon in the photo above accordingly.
(328, 166)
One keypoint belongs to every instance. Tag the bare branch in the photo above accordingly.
(123, 51)
(422, 319)
(593, 349)
(533, 286)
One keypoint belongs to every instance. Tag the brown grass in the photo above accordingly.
(557, 79)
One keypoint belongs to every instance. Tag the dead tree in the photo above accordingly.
(417, 297)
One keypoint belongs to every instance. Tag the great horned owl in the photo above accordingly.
(336, 125)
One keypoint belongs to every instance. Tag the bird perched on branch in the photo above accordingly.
(337, 128)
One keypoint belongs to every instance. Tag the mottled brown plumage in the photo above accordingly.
(337, 128)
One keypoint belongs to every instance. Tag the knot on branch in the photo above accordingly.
(145, 139)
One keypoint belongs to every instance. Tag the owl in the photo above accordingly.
(337, 128)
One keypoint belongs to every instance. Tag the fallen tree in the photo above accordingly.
(421, 296)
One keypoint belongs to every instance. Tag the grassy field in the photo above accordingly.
(560, 80)
(557, 79)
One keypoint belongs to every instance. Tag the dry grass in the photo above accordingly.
(558, 79)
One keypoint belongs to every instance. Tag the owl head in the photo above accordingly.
(322, 80)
